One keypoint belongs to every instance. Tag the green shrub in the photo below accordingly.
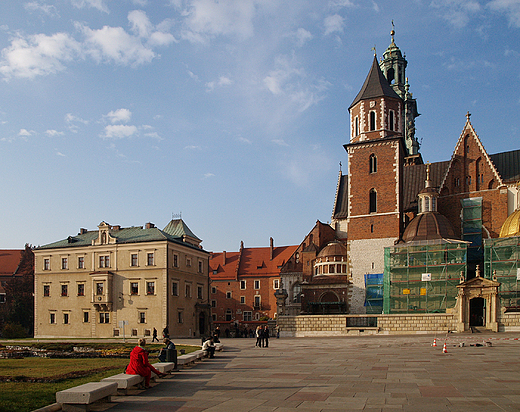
(13, 331)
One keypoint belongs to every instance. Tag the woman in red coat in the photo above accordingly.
(139, 364)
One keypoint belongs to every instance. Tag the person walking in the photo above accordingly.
(266, 336)
(154, 335)
(166, 332)
(259, 332)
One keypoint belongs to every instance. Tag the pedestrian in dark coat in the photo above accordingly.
(266, 336)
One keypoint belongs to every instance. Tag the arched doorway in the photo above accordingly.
(202, 323)
(477, 311)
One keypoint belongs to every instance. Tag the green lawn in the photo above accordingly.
(28, 396)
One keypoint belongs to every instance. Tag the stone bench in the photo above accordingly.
(164, 367)
(186, 359)
(80, 397)
(124, 381)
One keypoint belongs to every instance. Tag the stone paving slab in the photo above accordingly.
(373, 373)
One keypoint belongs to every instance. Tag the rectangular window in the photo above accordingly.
(149, 259)
(46, 290)
(213, 289)
(81, 262)
(242, 284)
(100, 288)
(86, 317)
(66, 318)
(180, 317)
(243, 300)
(142, 317)
(200, 267)
(214, 317)
(150, 288)
(248, 316)
(134, 332)
(104, 317)
(257, 302)
(104, 261)
(2, 297)
(133, 259)
(175, 261)
(134, 288)
(64, 290)
(188, 262)
(52, 318)
(46, 264)
(116, 332)
(200, 291)
(188, 290)
(81, 289)
(276, 284)
(213, 303)
(257, 284)
(175, 288)
(64, 263)
(228, 295)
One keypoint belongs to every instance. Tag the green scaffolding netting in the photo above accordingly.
(423, 278)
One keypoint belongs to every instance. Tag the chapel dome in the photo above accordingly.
(334, 248)
(429, 226)
(511, 226)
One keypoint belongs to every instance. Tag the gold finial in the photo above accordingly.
(393, 31)
(374, 50)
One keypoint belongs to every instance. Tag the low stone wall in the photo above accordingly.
(338, 325)
(509, 322)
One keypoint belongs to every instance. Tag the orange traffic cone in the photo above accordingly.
(444, 350)
(434, 342)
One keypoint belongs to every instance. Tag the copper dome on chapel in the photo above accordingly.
(429, 226)
(334, 248)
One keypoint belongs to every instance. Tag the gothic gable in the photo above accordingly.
(470, 168)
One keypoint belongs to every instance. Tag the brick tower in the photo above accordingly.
(382, 142)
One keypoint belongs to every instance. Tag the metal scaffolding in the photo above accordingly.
(422, 277)
(501, 263)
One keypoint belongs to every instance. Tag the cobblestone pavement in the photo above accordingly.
(373, 373)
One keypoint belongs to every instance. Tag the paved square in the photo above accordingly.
(373, 373)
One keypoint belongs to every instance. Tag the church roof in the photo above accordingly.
(341, 202)
(508, 165)
(376, 85)
(177, 228)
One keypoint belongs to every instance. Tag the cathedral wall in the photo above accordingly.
(366, 256)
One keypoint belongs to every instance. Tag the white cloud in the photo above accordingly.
(302, 36)
(290, 81)
(119, 131)
(341, 3)
(60, 154)
(222, 81)
(96, 4)
(38, 55)
(47, 9)
(53, 133)
(72, 122)
(457, 12)
(209, 18)
(26, 133)
(154, 135)
(333, 24)
(208, 175)
(511, 9)
(193, 147)
(119, 116)
(280, 142)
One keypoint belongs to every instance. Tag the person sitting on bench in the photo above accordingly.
(139, 364)
(169, 345)
(209, 347)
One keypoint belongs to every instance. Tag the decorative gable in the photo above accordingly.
(470, 168)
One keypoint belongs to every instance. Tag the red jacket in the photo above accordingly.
(139, 364)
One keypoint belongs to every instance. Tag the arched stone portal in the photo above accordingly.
(477, 304)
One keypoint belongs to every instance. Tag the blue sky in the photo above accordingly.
(231, 112)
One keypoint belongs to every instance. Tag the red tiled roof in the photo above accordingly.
(253, 262)
(9, 261)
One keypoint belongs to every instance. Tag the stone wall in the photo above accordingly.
(509, 322)
(336, 325)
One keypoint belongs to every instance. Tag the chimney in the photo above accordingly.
(149, 225)
(224, 257)
(271, 244)
(82, 231)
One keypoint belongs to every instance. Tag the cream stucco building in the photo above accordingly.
(115, 282)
